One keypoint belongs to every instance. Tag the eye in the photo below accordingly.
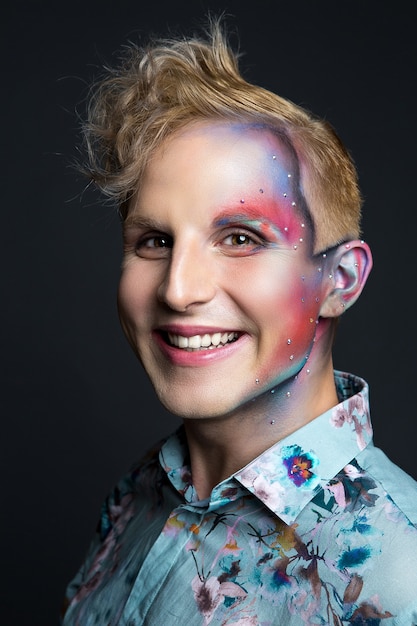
(239, 239)
(154, 246)
(157, 242)
(241, 242)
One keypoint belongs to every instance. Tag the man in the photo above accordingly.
(241, 225)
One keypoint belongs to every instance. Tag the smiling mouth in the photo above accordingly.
(202, 342)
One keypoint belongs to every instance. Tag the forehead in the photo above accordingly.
(224, 158)
(215, 174)
(219, 165)
(239, 141)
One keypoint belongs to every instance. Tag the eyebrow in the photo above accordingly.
(222, 219)
(227, 217)
(252, 218)
(136, 221)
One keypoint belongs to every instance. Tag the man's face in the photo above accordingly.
(219, 293)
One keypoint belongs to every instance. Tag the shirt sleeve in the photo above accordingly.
(91, 564)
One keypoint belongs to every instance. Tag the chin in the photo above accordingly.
(191, 411)
(192, 406)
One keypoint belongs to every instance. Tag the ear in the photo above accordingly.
(349, 267)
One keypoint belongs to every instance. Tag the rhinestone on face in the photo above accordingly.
(257, 381)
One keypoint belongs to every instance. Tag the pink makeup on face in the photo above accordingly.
(274, 221)
(272, 207)
(238, 259)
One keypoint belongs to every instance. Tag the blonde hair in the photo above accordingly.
(158, 89)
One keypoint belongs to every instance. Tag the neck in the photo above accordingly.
(221, 446)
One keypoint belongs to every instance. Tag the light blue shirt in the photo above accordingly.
(319, 529)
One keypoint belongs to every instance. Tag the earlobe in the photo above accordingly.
(350, 265)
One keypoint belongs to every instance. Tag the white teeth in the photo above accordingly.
(197, 342)
(215, 340)
(194, 342)
(182, 342)
(205, 341)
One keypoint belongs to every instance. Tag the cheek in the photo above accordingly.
(286, 295)
(125, 296)
(132, 297)
(294, 311)
(289, 323)
(302, 306)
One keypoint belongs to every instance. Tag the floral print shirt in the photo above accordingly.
(319, 529)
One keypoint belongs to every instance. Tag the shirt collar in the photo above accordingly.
(290, 473)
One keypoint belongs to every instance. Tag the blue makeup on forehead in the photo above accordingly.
(278, 156)
(281, 177)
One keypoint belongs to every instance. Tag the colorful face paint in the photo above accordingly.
(219, 286)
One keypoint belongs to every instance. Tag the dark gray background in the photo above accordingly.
(76, 409)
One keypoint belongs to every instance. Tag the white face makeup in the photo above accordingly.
(219, 294)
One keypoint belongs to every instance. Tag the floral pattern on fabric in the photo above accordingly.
(354, 412)
(299, 464)
(289, 567)
(320, 530)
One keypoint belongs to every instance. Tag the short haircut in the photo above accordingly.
(158, 89)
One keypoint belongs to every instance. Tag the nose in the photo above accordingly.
(189, 278)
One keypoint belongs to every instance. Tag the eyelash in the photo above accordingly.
(253, 242)
(251, 238)
(161, 238)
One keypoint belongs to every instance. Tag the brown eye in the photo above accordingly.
(240, 240)
(241, 243)
(158, 242)
(154, 246)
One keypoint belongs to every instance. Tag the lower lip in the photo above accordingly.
(192, 358)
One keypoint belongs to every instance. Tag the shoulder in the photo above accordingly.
(399, 487)
(140, 486)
